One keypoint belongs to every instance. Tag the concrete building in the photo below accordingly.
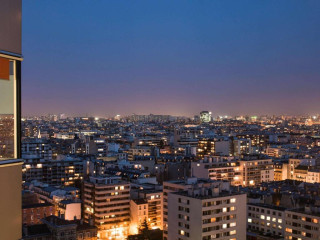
(294, 163)
(138, 214)
(275, 152)
(281, 171)
(106, 200)
(151, 201)
(176, 186)
(313, 176)
(138, 151)
(10, 116)
(205, 147)
(217, 168)
(36, 148)
(65, 171)
(255, 170)
(302, 223)
(203, 213)
(266, 219)
(223, 147)
(242, 146)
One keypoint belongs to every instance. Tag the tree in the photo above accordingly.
(144, 229)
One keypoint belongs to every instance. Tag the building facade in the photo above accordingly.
(106, 200)
(204, 213)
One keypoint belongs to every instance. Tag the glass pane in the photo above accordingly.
(7, 109)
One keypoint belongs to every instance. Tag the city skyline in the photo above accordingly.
(85, 167)
(118, 57)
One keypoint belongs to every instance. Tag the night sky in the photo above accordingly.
(102, 57)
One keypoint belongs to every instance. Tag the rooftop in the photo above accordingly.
(37, 205)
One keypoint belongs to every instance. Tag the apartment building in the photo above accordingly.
(255, 170)
(154, 200)
(266, 219)
(203, 213)
(217, 168)
(106, 200)
(176, 186)
(275, 152)
(302, 223)
(56, 172)
(281, 171)
(242, 146)
(313, 176)
(205, 146)
(138, 214)
(36, 148)
(294, 163)
(138, 151)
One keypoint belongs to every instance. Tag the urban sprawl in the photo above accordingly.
(174, 178)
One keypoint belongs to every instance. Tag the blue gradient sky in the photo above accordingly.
(104, 58)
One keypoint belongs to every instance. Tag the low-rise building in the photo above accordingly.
(55, 228)
(33, 213)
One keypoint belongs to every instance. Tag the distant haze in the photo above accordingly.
(171, 57)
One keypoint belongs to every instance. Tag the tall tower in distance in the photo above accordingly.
(10, 115)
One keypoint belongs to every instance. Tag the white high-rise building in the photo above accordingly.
(207, 212)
